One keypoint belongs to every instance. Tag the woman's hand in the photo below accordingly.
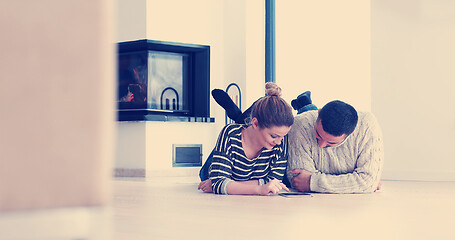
(205, 186)
(273, 187)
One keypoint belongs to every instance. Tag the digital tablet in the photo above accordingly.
(293, 194)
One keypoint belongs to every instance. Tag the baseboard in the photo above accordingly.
(171, 172)
(129, 172)
(418, 176)
(194, 171)
(175, 172)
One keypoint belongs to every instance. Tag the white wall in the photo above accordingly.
(255, 51)
(413, 86)
(324, 47)
(220, 24)
(131, 145)
(391, 57)
(131, 13)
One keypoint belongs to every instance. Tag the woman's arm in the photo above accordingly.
(278, 166)
(249, 188)
(220, 171)
(206, 185)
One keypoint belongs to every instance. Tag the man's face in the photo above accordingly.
(326, 140)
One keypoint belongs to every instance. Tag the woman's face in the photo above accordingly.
(269, 137)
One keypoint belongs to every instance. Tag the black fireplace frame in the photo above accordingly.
(197, 85)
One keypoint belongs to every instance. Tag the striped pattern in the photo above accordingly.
(355, 166)
(231, 164)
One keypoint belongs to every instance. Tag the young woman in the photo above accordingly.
(251, 158)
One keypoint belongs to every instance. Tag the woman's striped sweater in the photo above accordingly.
(231, 164)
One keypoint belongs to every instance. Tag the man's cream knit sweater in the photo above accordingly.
(355, 166)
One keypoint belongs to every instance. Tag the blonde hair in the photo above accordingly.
(272, 110)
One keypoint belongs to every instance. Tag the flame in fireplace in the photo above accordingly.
(136, 93)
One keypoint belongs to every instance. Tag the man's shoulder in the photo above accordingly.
(303, 125)
(367, 118)
(368, 123)
(308, 117)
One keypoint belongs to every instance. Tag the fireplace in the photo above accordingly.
(163, 81)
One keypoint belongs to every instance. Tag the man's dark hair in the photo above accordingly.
(338, 118)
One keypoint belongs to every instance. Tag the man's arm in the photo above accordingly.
(301, 144)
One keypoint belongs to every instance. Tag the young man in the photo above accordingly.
(335, 150)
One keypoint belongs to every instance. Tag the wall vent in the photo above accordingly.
(186, 155)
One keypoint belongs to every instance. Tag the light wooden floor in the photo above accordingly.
(173, 208)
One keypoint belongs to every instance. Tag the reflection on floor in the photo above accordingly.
(173, 208)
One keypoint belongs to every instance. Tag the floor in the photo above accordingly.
(173, 208)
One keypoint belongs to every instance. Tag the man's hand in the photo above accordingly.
(205, 186)
(273, 187)
(301, 179)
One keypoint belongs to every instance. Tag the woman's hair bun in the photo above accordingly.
(271, 89)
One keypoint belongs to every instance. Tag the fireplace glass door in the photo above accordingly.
(154, 80)
(168, 74)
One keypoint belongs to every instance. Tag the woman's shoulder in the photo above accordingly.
(233, 129)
